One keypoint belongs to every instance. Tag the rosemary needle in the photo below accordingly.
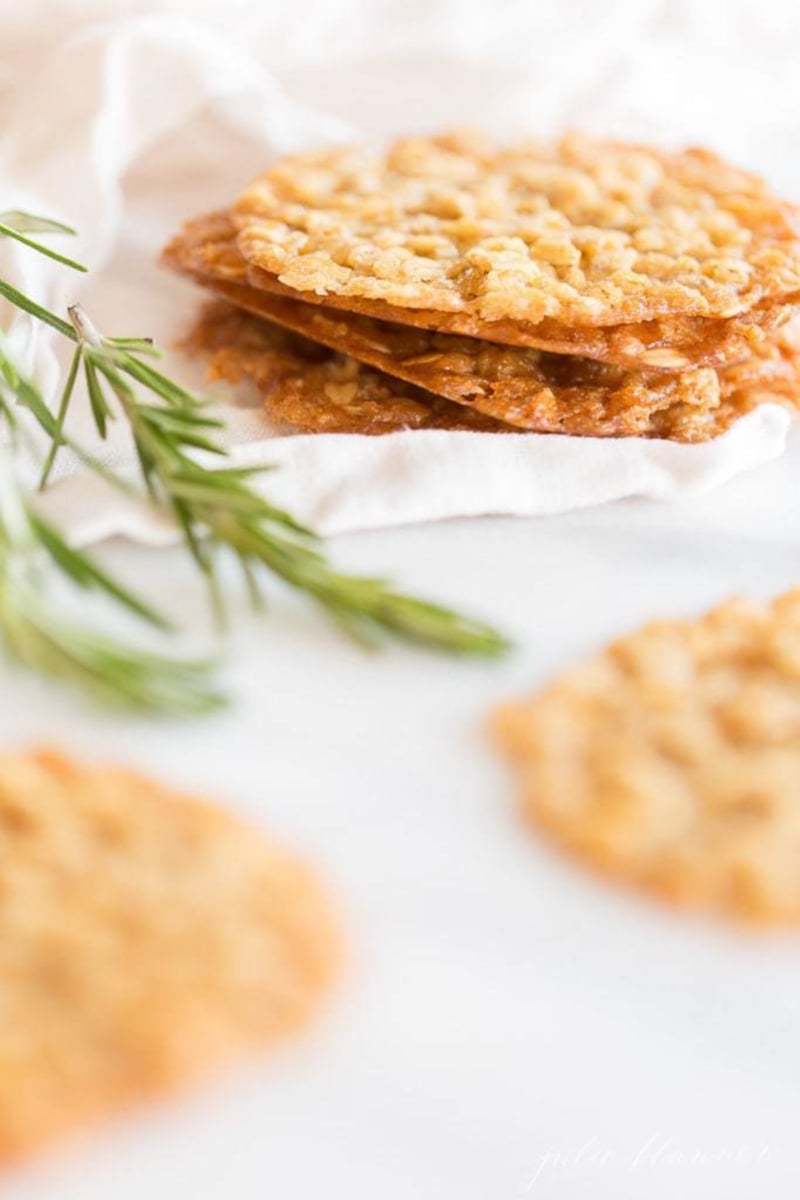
(38, 635)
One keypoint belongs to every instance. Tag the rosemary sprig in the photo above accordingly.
(34, 630)
(182, 464)
(216, 506)
(16, 224)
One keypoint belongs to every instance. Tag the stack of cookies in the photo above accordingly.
(591, 288)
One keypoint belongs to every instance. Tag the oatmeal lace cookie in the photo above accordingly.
(671, 760)
(586, 232)
(206, 246)
(310, 389)
(145, 937)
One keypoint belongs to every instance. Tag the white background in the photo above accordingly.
(506, 1026)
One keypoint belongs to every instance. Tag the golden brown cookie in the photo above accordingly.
(145, 937)
(587, 233)
(671, 760)
(670, 344)
(546, 393)
(308, 388)
(771, 375)
(667, 344)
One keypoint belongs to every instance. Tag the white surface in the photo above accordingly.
(508, 1027)
(114, 133)
(500, 1006)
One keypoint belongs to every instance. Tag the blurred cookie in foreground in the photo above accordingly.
(671, 760)
(145, 938)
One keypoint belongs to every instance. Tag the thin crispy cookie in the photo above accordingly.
(673, 344)
(671, 761)
(308, 388)
(770, 376)
(664, 344)
(145, 937)
(586, 232)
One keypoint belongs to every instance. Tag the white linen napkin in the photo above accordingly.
(133, 125)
